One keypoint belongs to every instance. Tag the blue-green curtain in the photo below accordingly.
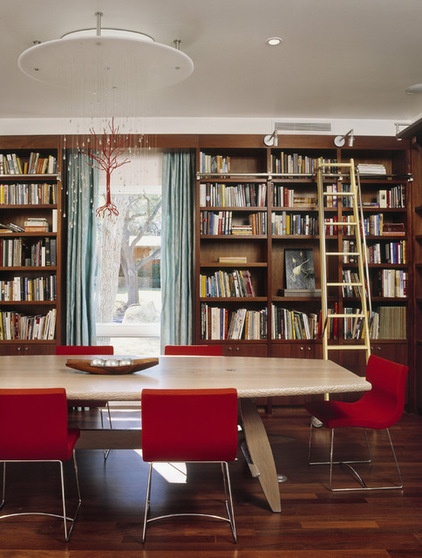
(82, 190)
(177, 248)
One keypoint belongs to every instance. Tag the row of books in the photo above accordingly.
(295, 163)
(391, 283)
(16, 252)
(16, 326)
(385, 322)
(377, 226)
(220, 323)
(351, 283)
(217, 323)
(394, 197)
(28, 289)
(28, 194)
(236, 283)
(228, 195)
(10, 163)
(293, 324)
(388, 252)
(289, 197)
(223, 223)
(214, 163)
(287, 223)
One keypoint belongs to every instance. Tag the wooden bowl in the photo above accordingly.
(137, 364)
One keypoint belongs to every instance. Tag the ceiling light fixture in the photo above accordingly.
(415, 89)
(274, 41)
(339, 141)
(107, 58)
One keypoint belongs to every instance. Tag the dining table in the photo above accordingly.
(252, 377)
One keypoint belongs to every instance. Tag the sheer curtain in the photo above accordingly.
(82, 190)
(177, 248)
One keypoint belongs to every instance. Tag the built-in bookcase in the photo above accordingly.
(257, 206)
(30, 245)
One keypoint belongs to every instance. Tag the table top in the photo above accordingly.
(251, 376)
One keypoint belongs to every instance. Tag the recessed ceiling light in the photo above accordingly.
(414, 89)
(274, 41)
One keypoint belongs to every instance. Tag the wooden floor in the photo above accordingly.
(314, 523)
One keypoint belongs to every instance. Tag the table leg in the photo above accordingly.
(260, 452)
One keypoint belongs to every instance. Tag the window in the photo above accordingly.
(128, 303)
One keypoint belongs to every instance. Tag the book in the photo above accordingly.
(233, 259)
(393, 229)
(12, 226)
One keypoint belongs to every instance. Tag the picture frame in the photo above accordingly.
(299, 269)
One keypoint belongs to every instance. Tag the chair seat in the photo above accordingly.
(360, 414)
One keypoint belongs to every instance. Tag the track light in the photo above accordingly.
(339, 141)
(272, 139)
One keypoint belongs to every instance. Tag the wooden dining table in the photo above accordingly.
(253, 377)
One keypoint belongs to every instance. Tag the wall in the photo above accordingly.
(201, 125)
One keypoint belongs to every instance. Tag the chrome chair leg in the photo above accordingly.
(228, 501)
(68, 522)
(349, 464)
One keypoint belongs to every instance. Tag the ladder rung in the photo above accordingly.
(342, 253)
(347, 347)
(332, 316)
(344, 284)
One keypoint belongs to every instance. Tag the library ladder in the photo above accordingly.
(331, 181)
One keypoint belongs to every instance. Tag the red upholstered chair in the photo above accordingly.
(33, 427)
(84, 350)
(378, 409)
(198, 350)
(190, 426)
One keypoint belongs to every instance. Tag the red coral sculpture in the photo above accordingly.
(110, 146)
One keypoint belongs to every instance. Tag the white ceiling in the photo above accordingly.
(339, 58)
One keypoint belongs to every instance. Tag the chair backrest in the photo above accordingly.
(34, 424)
(189, 424)
(205, 350)
(385, 401)
(84, 350)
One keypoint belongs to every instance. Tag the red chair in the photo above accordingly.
(198, 350)
(190, 426)
(34, 428)
(84, 350)
(378, 409)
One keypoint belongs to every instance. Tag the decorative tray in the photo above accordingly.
(111, 366)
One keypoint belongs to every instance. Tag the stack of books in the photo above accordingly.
(36, 224)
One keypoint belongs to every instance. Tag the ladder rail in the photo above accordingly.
(364, 246)
(361, 257)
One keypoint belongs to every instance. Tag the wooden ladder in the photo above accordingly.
(358, 283)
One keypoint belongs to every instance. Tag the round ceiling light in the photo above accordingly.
(274, 41)
(110, 58)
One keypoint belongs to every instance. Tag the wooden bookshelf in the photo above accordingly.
(31, 247)
(282, 190)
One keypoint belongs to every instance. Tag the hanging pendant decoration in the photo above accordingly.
(106, 154)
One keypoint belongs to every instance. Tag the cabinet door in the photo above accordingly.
(397, 351)
(27, 349)
(233, 349)
(296, 350)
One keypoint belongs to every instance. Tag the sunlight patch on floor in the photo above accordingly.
(174, 473)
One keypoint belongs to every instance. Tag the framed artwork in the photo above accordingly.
(299, 269)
